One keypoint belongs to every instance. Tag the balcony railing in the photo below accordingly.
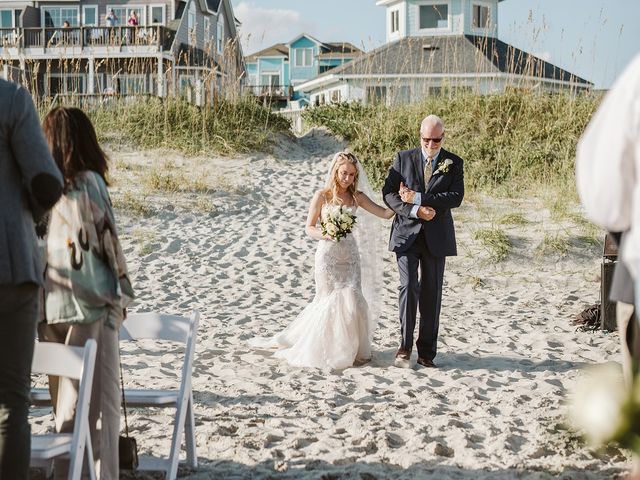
(270, 90)
(81, 37)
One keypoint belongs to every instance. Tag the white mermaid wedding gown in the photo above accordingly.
(335, 329)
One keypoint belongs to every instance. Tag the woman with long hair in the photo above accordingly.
(87, 287)
(336, 329)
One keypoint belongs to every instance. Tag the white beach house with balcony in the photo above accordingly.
(436, 46)
(82, 47)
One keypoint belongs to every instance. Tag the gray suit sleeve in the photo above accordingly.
(42, 178)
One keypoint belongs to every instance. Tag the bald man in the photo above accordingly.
(422, 187)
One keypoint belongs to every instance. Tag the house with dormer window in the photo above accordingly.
(434, 47)
(88, 47)
(273, 73)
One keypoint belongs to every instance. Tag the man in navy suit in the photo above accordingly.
(422, 187)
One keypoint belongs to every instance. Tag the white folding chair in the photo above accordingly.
(177, 329)
(76, 363)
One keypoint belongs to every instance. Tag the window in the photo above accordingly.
(132, 84)
(90, 15)
(220, 34)
(403, 95)
(54, 17)
(157, 14)
(434, 16)
(66, 83)
(271, 79)
(304, 57)
(395, 21)
(335, 96)
(122, 13)
(6, 18)
(376, 94)
(480, 17)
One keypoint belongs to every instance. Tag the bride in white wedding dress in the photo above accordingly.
(336, 329)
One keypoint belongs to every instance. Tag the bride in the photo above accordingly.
(336, 329)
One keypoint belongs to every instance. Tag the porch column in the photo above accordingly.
(23, 71)
(160, 86)
(198, 87)
(91, 81)
(174, 80)
(5, 71)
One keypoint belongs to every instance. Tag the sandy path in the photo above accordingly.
(494, 408)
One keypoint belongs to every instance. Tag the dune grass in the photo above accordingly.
(228, 127)
(495, 242)
(512, 143)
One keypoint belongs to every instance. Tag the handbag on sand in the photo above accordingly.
(127, 446)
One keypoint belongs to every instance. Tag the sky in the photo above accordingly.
(594, 39)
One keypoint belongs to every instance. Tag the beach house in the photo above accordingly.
(273, 73)
(160, 47)
(434, 47)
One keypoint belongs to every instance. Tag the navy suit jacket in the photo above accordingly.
(443, 192)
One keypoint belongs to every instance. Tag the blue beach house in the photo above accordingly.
(273, 73)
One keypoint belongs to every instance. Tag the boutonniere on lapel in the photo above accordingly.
(444, 166)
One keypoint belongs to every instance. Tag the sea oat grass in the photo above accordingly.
(512, 143)
(553, 245)
(132, 204)
(159, 180)
(513, 219)
(228, 127)
(494, 241)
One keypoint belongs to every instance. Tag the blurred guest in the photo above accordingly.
(133, 19)
(86, 284)
(111, 20)
(607, 165)
(30, 184)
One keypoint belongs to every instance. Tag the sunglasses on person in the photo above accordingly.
(434, 140)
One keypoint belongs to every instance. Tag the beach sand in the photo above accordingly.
(233, 246)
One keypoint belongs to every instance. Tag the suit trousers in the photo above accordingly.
(421, 277)
(104, 411)
(18, 316)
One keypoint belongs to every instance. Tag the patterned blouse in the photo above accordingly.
(86, 272)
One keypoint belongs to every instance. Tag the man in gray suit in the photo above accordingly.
(30, 184)
(422, 187)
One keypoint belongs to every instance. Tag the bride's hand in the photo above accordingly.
(406, 194)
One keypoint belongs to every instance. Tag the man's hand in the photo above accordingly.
(406, 194)
(426, 213)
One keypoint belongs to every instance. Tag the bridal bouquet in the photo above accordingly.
(605, 411)
(337, 221)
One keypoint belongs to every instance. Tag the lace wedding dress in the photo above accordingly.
(335, 329)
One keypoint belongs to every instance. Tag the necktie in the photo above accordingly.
(427, 170)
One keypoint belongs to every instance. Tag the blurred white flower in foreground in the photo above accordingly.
(597, 405)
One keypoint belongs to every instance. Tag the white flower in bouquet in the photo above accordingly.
(599, 406)
(337, 221)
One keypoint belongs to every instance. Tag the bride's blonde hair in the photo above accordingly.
(339, 159)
